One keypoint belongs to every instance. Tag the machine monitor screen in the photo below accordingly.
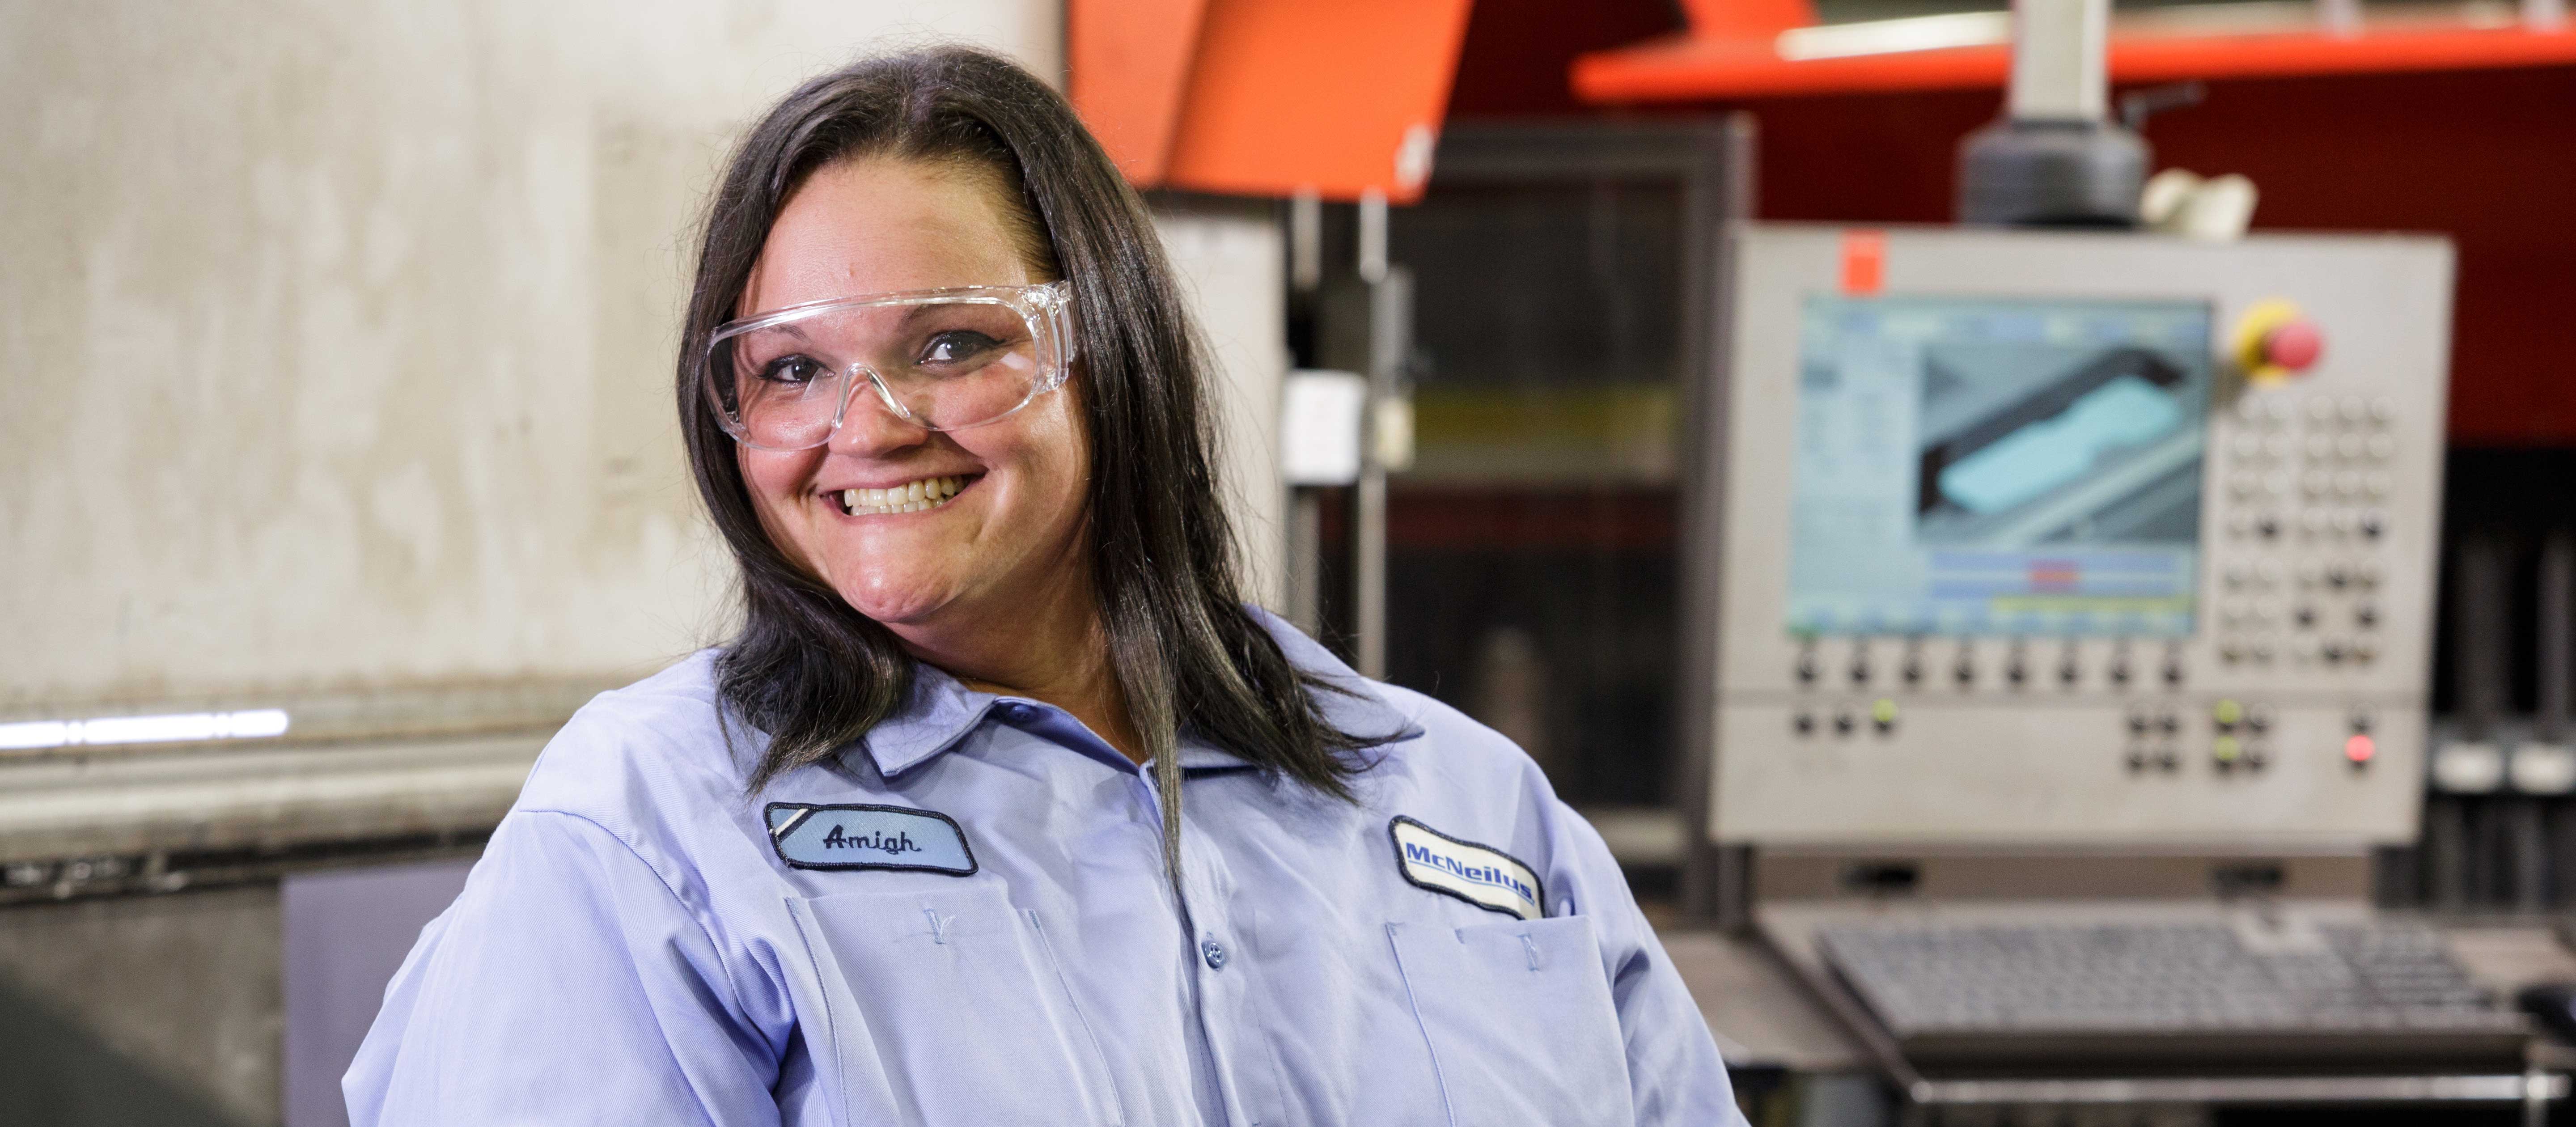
(1986, 466)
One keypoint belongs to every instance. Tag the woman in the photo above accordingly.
(1002, 808)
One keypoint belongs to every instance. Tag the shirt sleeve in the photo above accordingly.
(1675, 1076)
(567, 985)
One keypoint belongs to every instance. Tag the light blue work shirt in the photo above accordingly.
(634, 946)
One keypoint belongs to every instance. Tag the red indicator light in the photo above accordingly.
(2359, 749)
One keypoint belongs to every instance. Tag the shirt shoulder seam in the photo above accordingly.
(733, 988)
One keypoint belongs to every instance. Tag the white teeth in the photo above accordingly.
(913, 497)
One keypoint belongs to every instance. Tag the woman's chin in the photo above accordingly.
(893, 604)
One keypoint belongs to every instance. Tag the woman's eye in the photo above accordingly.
(792, 370)
(955, 346)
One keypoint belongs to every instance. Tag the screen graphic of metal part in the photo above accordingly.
(1984, 466)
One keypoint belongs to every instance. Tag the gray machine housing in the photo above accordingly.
(2314, 595)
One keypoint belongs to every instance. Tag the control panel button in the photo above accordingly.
(1882, 713)
(2226, 750)
(2227, 713)
(2275, 344)
(2295, 344)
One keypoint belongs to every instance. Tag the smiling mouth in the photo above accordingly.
(911, 497)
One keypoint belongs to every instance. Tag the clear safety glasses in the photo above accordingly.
(942, 359)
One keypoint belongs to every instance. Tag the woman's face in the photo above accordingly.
(1012, 537)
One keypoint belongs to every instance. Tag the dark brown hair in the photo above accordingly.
(813, 673)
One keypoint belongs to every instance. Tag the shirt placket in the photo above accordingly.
(1221, 977)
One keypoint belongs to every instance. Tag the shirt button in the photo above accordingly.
(1214, 953)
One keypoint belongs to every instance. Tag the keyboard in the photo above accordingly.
(2212, 990)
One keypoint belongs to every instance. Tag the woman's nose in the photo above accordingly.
(870, 428)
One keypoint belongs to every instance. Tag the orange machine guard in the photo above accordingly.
(1272, 97)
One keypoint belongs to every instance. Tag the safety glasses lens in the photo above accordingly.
(946, 364)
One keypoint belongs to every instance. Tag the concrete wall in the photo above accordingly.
(1232, 256)
(334, 337)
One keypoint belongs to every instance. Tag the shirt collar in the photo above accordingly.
(941, 712)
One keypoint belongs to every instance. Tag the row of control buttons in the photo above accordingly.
(2017, 668)
(2313, 524)
(2301, 652)
(2238, 731)
(2266, 576)
(2347, 410)
(1880, 716)
(2313, 485)
(2226, 753)
(2264, 616)
(2268, 450)
(2238, 742)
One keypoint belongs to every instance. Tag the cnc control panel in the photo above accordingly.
(2052, 539)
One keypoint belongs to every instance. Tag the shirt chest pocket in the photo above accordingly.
(947, 1006)
(1520, 1021)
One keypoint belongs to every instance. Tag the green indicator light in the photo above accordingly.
(2228, 711)
(2226, 749)
(1883, 710)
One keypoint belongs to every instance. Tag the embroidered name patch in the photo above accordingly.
(1480, 875)
(868, 837)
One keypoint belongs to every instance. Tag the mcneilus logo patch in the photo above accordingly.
(868, 837)
(1478, 874)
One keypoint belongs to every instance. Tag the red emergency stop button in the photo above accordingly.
(2294, 345)
(2276, 343)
